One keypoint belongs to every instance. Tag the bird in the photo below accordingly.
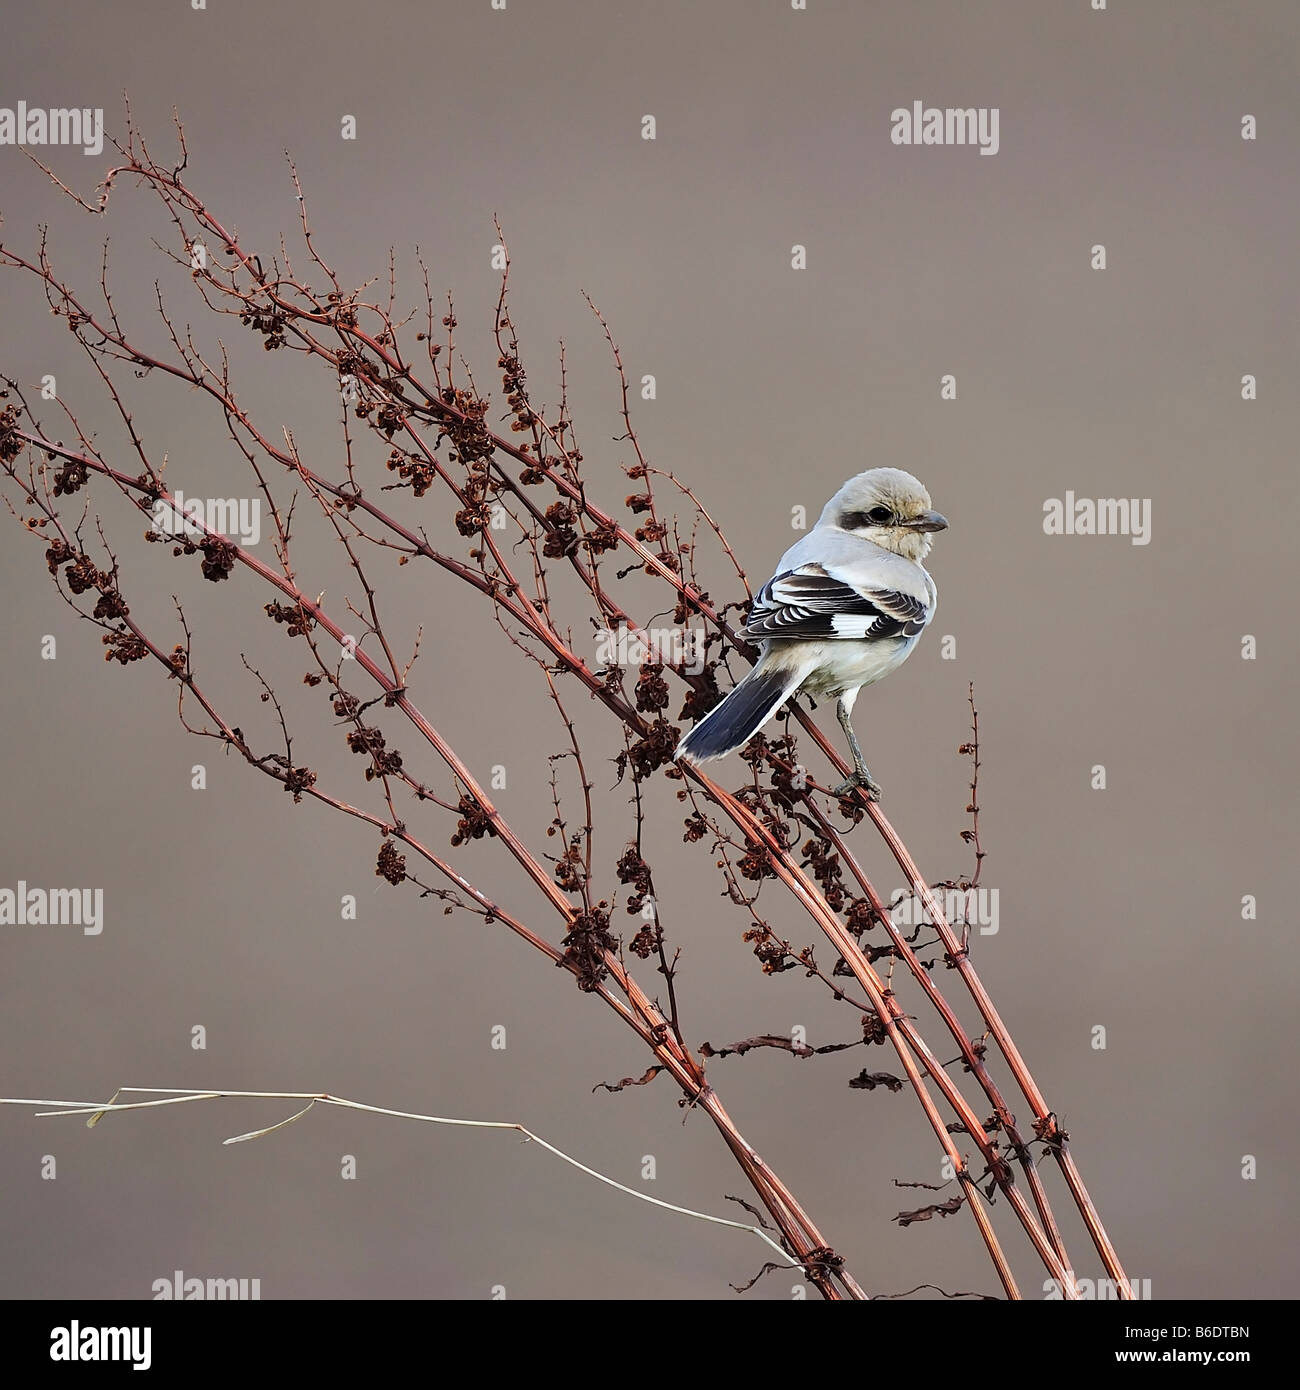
(845, 607)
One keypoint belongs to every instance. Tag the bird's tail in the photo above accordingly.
(733, 722)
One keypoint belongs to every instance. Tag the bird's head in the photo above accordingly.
(888, 507)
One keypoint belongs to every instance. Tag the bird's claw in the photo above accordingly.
(861, 779)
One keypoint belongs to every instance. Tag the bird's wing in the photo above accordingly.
(815, 602)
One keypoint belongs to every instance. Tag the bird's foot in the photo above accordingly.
(861, 778)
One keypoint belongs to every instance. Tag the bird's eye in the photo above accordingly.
(878, 516)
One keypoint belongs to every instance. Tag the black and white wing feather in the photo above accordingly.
(809, 604)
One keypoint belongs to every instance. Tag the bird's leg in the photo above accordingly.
(860, 777)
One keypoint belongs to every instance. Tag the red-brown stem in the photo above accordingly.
(809, 1246)
(883, 1003)
(302, 321)
(1046, 1124)
(970, 1056)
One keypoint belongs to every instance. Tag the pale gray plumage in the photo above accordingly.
(845, 607)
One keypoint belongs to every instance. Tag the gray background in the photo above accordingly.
(1118, 908)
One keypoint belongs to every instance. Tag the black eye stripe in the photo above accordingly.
(877, 516)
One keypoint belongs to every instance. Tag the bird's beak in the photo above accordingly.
(927, 521)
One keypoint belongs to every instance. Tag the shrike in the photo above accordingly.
(845, 607)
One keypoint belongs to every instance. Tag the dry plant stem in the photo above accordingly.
(970, 1056)
(790, 872)
(906, 1041)
(1045, 1118)
(807, 1243)
(174, 1096)
(173, 192)
(546, 883)
(1055, 1257)
(1046, 1125)
(389, 378)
